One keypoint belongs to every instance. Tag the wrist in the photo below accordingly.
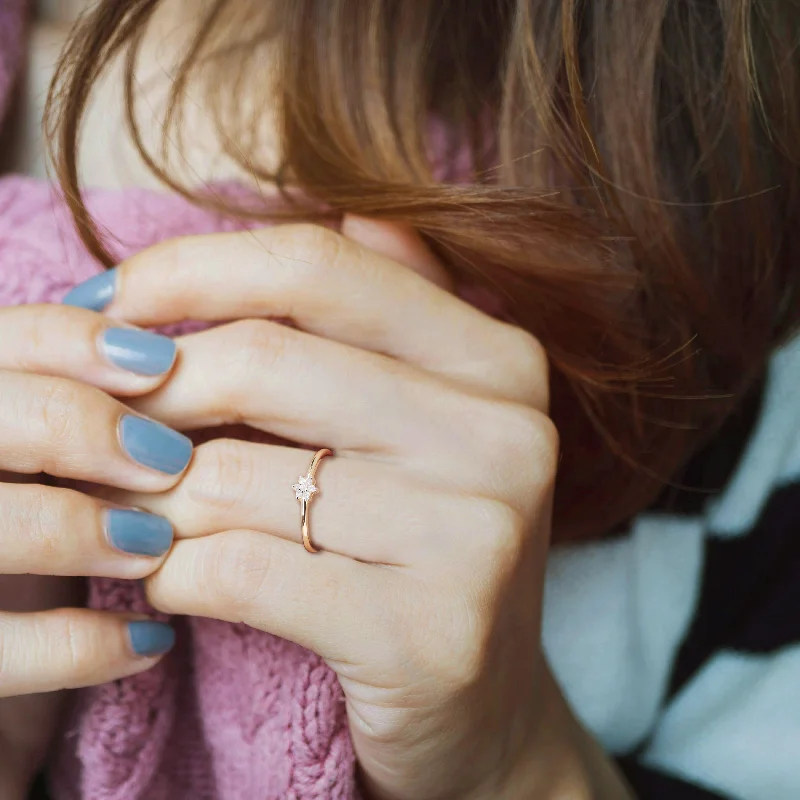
(561, 760)
(550, 768)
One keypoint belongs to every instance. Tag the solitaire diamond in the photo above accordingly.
(304, 488)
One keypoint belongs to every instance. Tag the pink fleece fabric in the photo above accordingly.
(231, 713)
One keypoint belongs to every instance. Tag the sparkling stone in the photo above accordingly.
(304, 487)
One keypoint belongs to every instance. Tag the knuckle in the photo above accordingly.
(43, 517)
(259, 345)
(174, 261)
(6, 658)
(451, 644)
(53, 411)
(221, 474)
(528, 355)
(77, 648)
(166, 594)
(501, 531)
(463, 658)
(70, 643)
(470, 664)
(528, 445)
(34, 328)
(468, 635)
(71, 650)
(312, 249)
(547, 444)
(171, 255)
(9, 647)
(45, 335)
(12, 650)
(239, 566)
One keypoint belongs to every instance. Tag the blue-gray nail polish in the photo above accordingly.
(149, 638)
(141, 352)
(137, 532)
(94, 294)
(155, 445)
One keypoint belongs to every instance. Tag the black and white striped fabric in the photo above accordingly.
(678, 643)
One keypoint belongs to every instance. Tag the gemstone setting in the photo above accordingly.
(304, 488)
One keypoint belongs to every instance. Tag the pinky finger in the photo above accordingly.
(69, 648)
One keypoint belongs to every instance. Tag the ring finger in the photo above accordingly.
(321, 393)
(364, 510)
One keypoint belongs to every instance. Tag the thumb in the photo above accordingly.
(399, 242)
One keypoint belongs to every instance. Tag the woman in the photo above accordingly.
(534, 221)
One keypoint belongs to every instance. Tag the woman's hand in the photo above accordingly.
(433, 516)
(52, 422)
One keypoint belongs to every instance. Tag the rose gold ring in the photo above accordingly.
(304, 490)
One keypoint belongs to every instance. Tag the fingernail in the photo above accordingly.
(150, 638)
(155, 445)
(141, 352)
(137, 532)
(94, 294)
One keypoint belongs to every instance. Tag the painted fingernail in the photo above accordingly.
(149, 638)
(137, 532)
(94, 294)
(141, 352)
(155, 445)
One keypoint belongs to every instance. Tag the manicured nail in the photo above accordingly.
(137, 532)
(155, 445)
(150, 638)
(94, 294)
(141, 352)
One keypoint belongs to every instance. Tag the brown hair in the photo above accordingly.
(633, 195)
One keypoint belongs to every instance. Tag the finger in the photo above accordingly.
(362, 510)
(302, 388)
(45, 651)
(336, 288)
(67, 342)
(322, 393)
(397, 242)
(328, 603)
(71, 430)
(52, 531)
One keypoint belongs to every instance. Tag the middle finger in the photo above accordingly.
(308, 390)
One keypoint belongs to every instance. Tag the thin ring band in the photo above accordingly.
(304, 490)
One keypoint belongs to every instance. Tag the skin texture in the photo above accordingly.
(57, 416)
(433, 516)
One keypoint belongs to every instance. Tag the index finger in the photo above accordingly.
(334, 287)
